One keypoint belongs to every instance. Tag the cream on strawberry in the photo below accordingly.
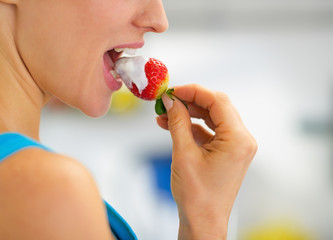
(146, 78)
(132, 71)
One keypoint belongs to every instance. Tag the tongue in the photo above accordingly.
(114, 55)
(108, 63)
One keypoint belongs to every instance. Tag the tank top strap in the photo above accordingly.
(11, 143)
(120, 228)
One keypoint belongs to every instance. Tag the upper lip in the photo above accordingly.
(130, 45)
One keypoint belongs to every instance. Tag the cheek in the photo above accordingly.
(43, 39)
(57, 36)
(64, 51)
(53, 44)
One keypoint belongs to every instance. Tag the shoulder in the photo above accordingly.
(50, 195)
(39, 171)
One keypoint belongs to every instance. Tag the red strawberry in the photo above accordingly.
(158, 80)
(147, 79)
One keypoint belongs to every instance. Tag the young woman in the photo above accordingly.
(65, 48)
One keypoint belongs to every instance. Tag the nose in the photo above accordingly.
(152, 17)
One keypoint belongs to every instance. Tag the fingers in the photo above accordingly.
(162, 121)
(179, 124)
(195, 112)
(215, 108)
(196, 94)
(201, 135)
(221, 111)
(200, 113)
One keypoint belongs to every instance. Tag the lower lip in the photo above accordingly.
(112, 83)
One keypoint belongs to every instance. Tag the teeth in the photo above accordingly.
(129, 51)
(114, 74)
(119, 49)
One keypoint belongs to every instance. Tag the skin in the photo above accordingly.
(207, 168)
(55, 57)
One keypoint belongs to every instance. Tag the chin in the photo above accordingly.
(95, 110)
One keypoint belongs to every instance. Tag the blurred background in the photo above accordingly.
(275, 61)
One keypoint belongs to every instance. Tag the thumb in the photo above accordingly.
(179, 122)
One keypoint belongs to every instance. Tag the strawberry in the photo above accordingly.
(158, 80)
(147, 79)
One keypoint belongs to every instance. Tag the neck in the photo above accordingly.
(21, 100)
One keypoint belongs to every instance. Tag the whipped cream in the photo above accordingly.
(132, 70)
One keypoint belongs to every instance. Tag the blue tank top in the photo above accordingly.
(10, 143)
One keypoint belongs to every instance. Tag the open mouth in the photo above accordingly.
(117, 53)
(110, 58)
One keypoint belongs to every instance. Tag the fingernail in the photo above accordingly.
(167, 101)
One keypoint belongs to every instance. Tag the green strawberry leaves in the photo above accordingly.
(159, 106)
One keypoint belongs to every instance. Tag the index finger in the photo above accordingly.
(219, 106)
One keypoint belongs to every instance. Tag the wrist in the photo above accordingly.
(202, 231)
(204, 225)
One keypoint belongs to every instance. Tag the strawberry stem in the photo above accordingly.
(159, 106)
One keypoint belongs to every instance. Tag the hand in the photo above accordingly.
(207, 169)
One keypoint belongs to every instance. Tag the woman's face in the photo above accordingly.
(66, 44)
